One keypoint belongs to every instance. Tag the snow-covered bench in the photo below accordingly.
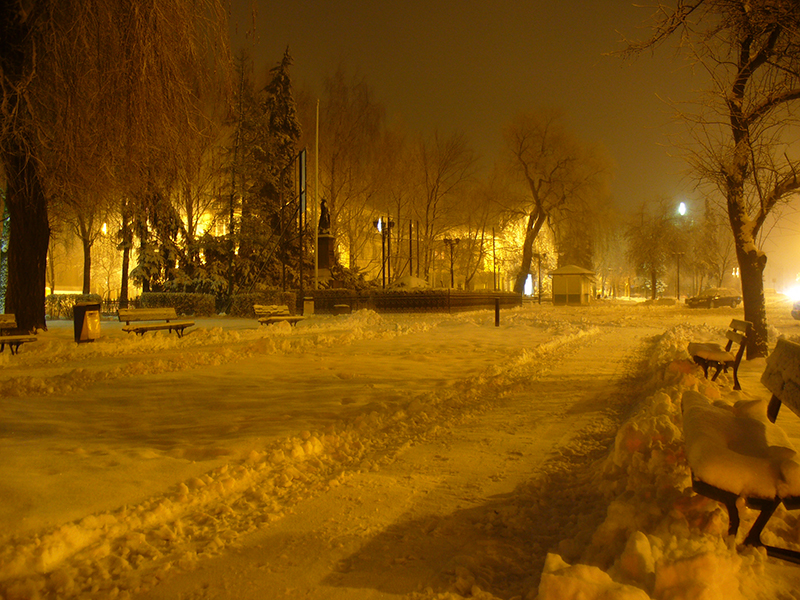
(14, 341)
(713, 355)
(738, 452)
(273, 313)
(138, 316)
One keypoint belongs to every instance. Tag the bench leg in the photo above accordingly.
(767, 508)
(736, 385)
(726, 498)
(703, 363)
(754, 535)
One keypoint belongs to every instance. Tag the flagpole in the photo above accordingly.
(316, 204)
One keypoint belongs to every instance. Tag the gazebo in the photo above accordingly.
(572, 285)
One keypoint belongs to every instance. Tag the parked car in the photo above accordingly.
(714, 297)
(796, 311)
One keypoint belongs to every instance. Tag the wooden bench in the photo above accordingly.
(274, 313)
(137, 316)
(341, 309)
(738, 452)
(8, 321)
(708, 354)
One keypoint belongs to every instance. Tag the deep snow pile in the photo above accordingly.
(659, 539)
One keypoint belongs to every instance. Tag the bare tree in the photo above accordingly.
(445, 165)
(480, 212)
(351, 122)
(744, 125)
(653, 236)
(561, 174)
(88, 91)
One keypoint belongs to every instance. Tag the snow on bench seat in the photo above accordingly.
(137, 315)
(8, 321)
(712, 355)
(738, 452)
(737, 449)
(268, 314)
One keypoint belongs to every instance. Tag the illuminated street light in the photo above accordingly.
(682, 208)
(384, 226)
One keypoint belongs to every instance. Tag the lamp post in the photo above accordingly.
(682, 210)
(451, 243)
(384, 226)
(678, 282)
(539, 257)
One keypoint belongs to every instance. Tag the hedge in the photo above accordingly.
(199, 305)
(58, 306)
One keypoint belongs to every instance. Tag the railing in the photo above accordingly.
(447, 301)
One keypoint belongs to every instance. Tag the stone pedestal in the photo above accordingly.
(325, 259)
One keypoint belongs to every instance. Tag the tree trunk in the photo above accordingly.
(653, 284)
(751, 268)
(535, 222)
(28, 240)
(123, 287)
(87, 266)
(51, 267)
(127, 242)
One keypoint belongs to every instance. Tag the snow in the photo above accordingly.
(378, 456)
(738, 450)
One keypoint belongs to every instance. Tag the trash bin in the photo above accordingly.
(86, 320)
(308, 306)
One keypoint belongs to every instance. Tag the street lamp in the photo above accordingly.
(678, 283)
(682, 213)
(384, 226)
(451, 243)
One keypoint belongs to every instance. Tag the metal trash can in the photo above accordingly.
(86, 320)
(308, 306)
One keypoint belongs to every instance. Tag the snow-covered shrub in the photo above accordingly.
(58, 306)
(201, 305)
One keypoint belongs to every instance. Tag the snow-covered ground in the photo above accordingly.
(374, 456)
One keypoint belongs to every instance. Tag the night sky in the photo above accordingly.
(471, 65)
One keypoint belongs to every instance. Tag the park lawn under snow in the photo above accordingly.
(131, 463)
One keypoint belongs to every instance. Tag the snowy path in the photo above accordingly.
(465, 506)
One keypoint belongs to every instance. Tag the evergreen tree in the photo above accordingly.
(268, 130)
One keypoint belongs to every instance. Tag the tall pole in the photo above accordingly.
(301, 214)
(410, 247)
(419, 256)
(494, 262)
(539, 273)
(316, 204)
(389, 224)
(383, 256)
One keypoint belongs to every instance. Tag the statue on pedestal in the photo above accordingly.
(324, 218)
(325, 242)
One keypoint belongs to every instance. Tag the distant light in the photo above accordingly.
(104, 229)
(793, 293)
(682, 208)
